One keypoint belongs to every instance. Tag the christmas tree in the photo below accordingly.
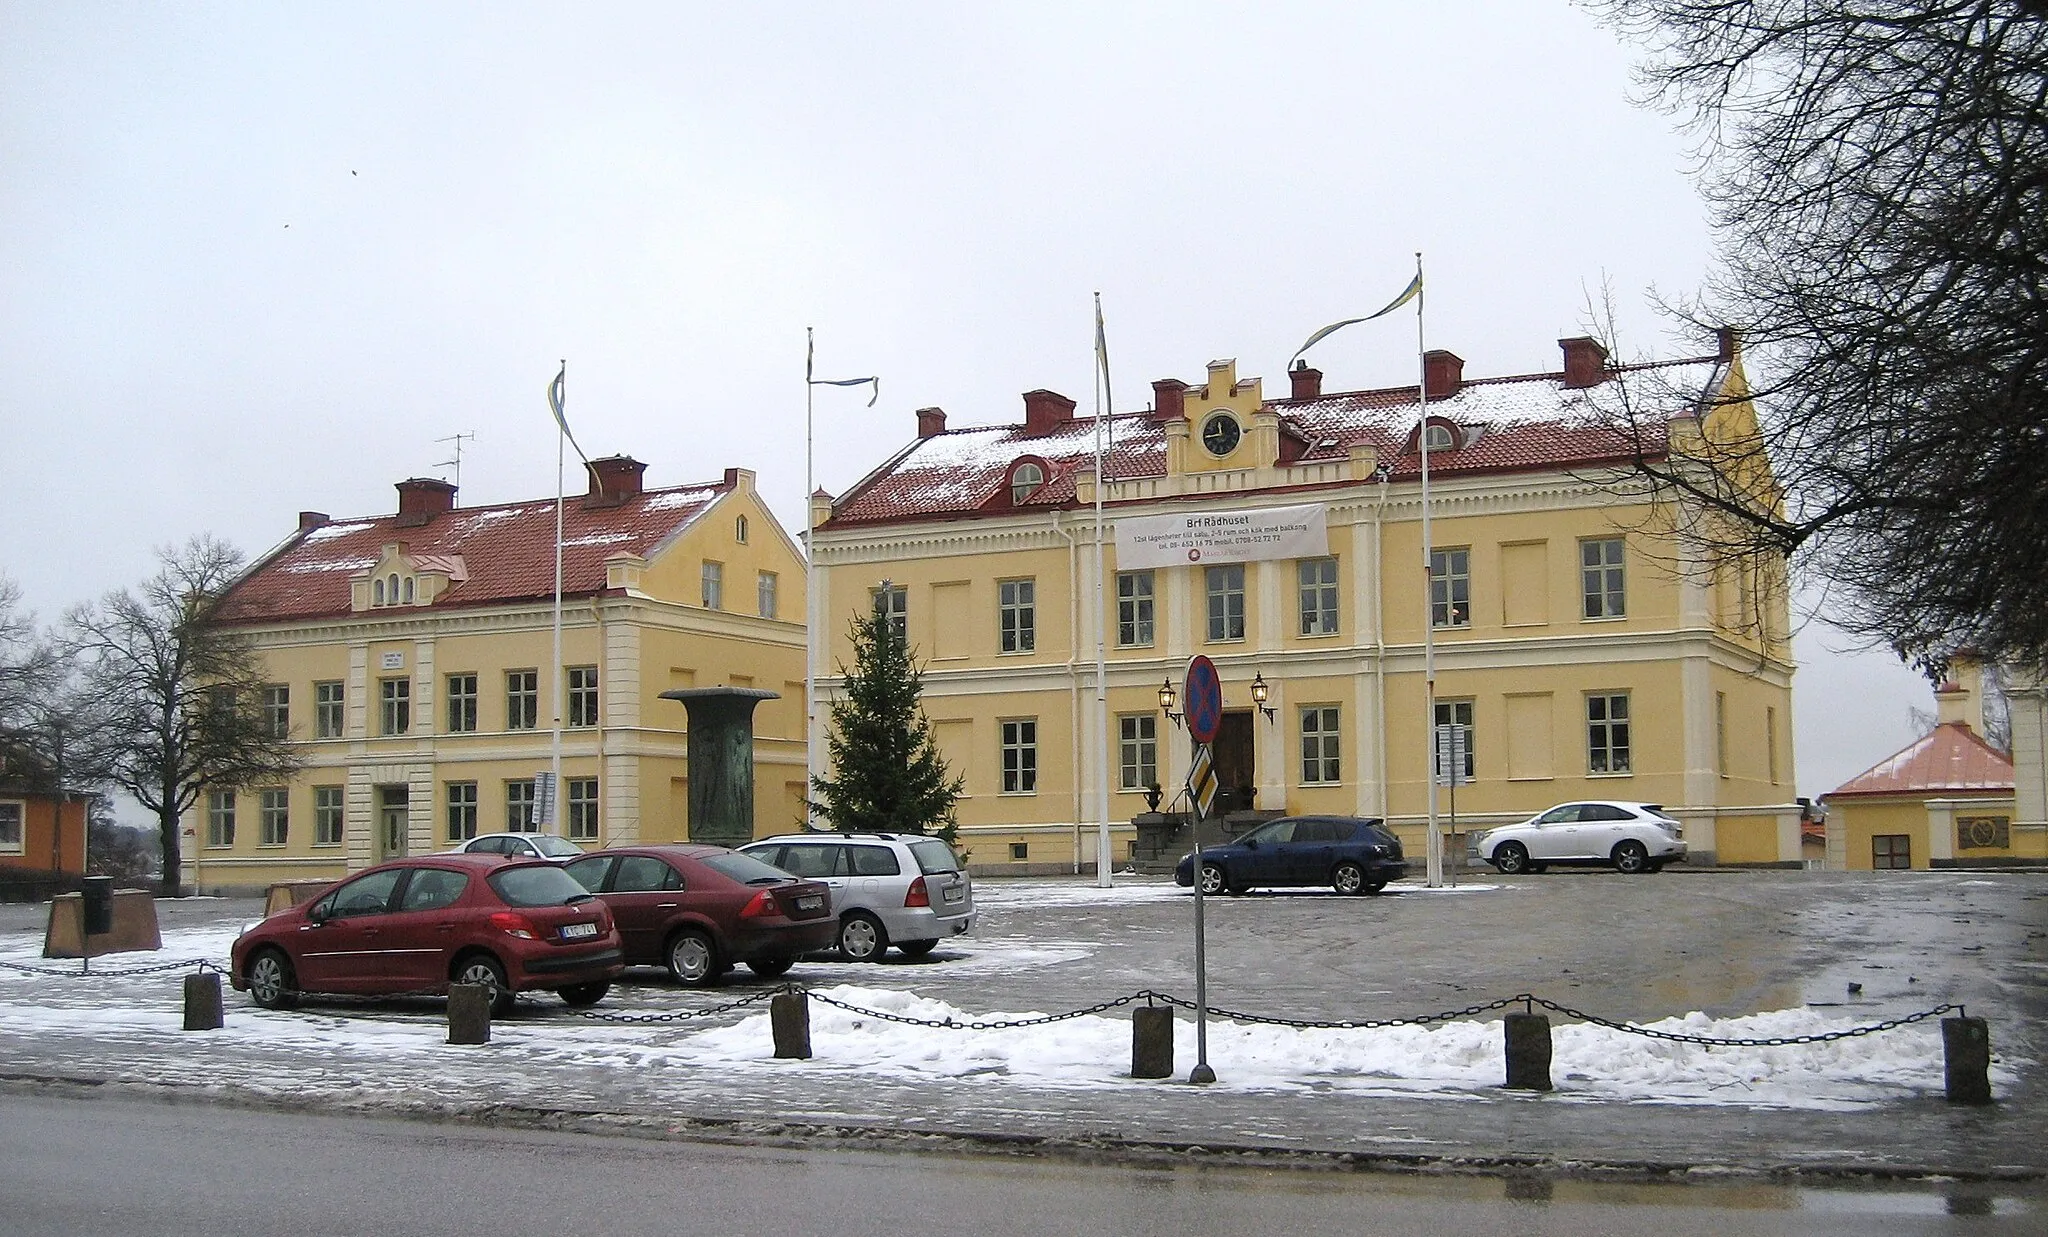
(890, 777)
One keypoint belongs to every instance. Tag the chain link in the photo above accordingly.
(993, 1024)
(201, 964)
(1775, 1041)
(683, 1015)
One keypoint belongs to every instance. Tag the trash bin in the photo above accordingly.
(97, 897)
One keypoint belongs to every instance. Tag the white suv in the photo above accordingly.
(899, 889)
(1631, 837)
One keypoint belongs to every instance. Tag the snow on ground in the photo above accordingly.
(1002, 894)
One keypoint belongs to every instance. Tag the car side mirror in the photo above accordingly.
(1251, 843)
(316, 914)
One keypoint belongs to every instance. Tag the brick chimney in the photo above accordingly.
(1728, 343)
(420, 499)
(1308, 383)
(310, 520)
(1045, 411)
(1169, 399)
(1442, 373)
(613, 480)
(931, 422)
(1585, 361)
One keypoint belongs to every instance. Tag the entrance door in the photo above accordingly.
(393, 822)
(1233, 753)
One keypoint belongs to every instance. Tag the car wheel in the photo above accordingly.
(769, 968)
(916, 949)
(1631, 856)
(1511, 857)
(272, 983)
(862, 938)
(1213, 879)
(693, 958)
(1348, 878)
(581, 995)
(1375, 886)
(486, 970)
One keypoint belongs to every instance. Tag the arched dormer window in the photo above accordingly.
(408, 590)
(1026, 477)
(377, 591)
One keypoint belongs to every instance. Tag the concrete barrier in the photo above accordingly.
(789, 1015)
(1966, 1060)
(202, 1002)
(1152, 1041)
(135, 926)
(1528, 1051)
(469, 1013)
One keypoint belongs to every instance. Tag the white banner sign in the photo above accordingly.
(1222, 537)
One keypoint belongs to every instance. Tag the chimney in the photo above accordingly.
(1728, 343)
(310, 520)
(1308, 383)
(613, 480)
(931, 422)
(1442, 373)
(1045, 411)
(1169, 399)
(1961, 697)
(1585, 361)
(420, 499)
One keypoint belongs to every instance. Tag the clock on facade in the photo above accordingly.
(1220, 434)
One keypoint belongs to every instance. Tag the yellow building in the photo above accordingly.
(408, 655)
(1581, 648)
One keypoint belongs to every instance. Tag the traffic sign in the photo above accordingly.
(1202, 782)
(1205, 700)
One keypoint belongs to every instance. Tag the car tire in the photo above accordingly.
(693, 958)
(272, 982)
(862, 938)
(1375, 886)
(1215, 880)
(1631, 857)
(582, 996)
(1511, 858)
(1348, 878)
(916, 949)
(769, 968)
(488, 971)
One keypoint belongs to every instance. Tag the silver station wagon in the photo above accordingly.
(899, 889)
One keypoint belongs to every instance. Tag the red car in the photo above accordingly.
(418, 925)
(698, 909)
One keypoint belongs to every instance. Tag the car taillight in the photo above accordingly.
(917, 895)
(762, 903)
(515, 925)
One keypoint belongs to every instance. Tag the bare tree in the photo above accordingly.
(170, 704)
(31, 670)
(1878, 177)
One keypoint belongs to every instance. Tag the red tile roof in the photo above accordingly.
(1950, 758)
(1520, 424)
(507, 551)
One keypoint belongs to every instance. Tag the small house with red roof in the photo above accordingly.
(411, 655)
(1945, 800)
(42, 829)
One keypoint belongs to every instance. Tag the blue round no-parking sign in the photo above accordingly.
(1205, 700)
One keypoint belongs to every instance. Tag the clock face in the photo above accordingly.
(1220, 434)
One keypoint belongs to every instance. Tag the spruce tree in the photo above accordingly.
(890, 776)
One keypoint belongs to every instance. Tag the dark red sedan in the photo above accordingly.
(418, 925)
(699, 909)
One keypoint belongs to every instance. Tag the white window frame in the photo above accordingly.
(220, 819)
(765, 599)
(328, 815)
(277, 710)
(274, 817)
(1025, 480)
(520, 802)
(1316, 586)
(711, 585)
(1604, 756)
(582, 802)
(1450, 587)
(1455, 713)
(462, 703)
(893, 602)
(522, 700)
(1017, 615)
(1137, 749)
(330, 709)
(582, 696)
(1322, 745)
(1603, 578)
(462, 810)
(394, 705)
(13, 826)
(1223, 590)
(1019, 744)
(1135, 609)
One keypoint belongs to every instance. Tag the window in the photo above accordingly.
(1137, 736)
(1020, 850)
(461, 811)
(713, 585)
(739, 529)
(583, 695)
(892, 602)
(1226, 601)
(1439, 437)
(377, 592)
(583, 809)
(408, 590)
(327, 816)
(1317, 578)
(329, 709)
(1020, 757)
(430, 889)
(277, 711)
(1024, 481)
(1607, 733)
(1457, 713)
(1017, 614)
(11, 812)
(1133, 609)
(764, 594)
(1450, 588)
(519, 807)
(396, 695)
(1600, 574)
(276, 819)
(220, 818)
(1891, 850)
(1320, 761)
(522, 699)
(461, 703)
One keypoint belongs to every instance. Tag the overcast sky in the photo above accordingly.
(260, 259)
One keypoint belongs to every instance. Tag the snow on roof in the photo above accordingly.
(1950, 758)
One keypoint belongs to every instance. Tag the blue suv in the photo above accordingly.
(1351, 854)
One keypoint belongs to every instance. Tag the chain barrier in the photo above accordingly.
(1775, 1041)
(685, 1015)
(997, 1024)
(202, 964)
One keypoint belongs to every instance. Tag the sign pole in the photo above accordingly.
(1204, 694)
(1201, 1074)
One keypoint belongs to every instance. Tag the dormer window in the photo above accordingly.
(1025, 480)
(408, 590)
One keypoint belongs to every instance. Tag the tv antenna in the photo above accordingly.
(456, 462)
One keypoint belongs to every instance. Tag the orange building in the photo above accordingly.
(40, 833)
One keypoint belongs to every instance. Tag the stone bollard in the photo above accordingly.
(1528, 1037)
(1152, 1041)
(202, 1002)
(1966, 1065)
(469, 1013)
(789, 1015)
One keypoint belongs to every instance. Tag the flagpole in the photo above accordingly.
(555, 753)
(1101, 756)
(810, 592)
(1434, 842)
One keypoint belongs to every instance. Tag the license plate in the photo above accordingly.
(571, 931)
(810, 901)
(955, 894)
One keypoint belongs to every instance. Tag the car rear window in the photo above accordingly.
(933, 855)
(539, 884)
(745, 869)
